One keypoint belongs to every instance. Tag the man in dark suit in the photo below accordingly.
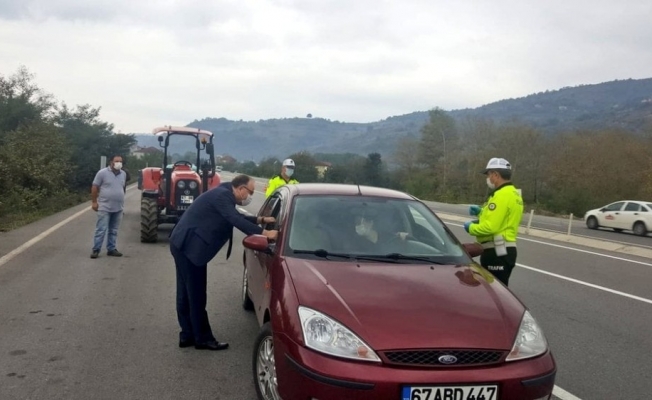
(200, 233)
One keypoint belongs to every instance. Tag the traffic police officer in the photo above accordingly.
(287, 170)
(498, 220)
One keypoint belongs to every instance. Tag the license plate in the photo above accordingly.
(187, 199)
(450, 393)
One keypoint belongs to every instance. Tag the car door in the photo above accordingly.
(255, 261)
(611, 214)
(259, 272)
(629, 215)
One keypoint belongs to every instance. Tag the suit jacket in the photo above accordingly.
(208, 224)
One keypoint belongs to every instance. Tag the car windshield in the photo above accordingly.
(369, 229)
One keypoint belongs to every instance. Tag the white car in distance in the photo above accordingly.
(631, 215)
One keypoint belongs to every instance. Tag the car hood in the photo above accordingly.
(401, 306)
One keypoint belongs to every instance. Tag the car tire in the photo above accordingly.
(247, 304)
(592, 223)
(640, 229)
(264, 365)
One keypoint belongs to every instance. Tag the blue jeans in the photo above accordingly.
(106, 221)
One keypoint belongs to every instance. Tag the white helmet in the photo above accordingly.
(497, 163)
(288, 162)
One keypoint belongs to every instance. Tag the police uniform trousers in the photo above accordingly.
(191, 299)
(501, 267)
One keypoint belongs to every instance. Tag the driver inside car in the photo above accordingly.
(378, 229)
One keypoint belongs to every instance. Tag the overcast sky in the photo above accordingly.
(148, 63)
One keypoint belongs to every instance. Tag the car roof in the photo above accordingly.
(339, 189)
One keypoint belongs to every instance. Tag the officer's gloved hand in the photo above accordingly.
(474, 210)
(467, 224)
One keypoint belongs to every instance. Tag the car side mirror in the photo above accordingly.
(256, 242)
(474, 249)
(603, 209)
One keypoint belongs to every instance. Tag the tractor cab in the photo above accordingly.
(169, 190)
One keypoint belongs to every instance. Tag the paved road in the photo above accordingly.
(76, 328)
(578, 227)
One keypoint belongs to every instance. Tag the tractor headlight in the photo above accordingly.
(192, 185)
(181, 184)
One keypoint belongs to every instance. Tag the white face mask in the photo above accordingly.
(289, 172)
(117, 165)
(247, 201)
(363, 228)
(491, 185)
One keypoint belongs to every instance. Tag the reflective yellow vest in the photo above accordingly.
(276, 182)
(501, 214)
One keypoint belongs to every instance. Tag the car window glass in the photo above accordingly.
(269, 206)
(614, 206)
(360, 225)
(632, 206)
(647, 208)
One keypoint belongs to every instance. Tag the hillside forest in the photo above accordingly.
(50, 152)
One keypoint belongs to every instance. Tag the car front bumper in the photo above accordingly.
(304, 374)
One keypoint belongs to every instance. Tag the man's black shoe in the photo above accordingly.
(186, 343)
(212, 345)
(95, 254)
(114, 253)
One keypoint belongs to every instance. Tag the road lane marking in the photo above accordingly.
(588, 252)
(9, 256)
(12, 254)
(562, 394)
(591, 285)
(575, 249)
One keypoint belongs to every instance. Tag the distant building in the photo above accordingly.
(139, 152)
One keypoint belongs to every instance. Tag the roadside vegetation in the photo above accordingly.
(566, 173)
(50, 152)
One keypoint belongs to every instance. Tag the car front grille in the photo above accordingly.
(433, 358)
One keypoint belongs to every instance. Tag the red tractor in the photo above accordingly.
(167, 192)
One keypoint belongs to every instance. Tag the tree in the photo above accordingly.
(373, 171)
(90, 138)
(439, 133)
(269, 167)
(34, 166)
(22, 101)
(304, 170)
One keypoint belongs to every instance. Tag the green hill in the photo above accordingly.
(624, 104)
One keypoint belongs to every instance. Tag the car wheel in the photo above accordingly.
(265, 365)
(592, 223)
(247, 304)
(640, 229)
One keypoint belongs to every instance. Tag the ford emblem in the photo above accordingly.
(447, 359)
(187, 191)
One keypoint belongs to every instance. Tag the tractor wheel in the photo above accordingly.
(148, 220)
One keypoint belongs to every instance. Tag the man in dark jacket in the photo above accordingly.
(200, 233)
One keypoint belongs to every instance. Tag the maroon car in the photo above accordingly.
(366, 294)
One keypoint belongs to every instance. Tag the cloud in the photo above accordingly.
(148, 63)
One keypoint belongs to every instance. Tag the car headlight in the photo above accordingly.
(181, 184)
(530, 341)
(326, 335)
(192, 185)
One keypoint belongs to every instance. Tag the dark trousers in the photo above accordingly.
(500, 267)
(191, 299)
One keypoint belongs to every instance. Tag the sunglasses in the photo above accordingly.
(251, 192)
